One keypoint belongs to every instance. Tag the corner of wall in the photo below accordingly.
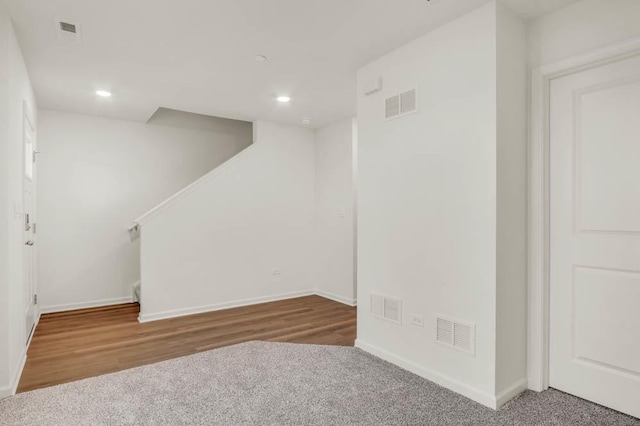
(334, 258)
(511, 186)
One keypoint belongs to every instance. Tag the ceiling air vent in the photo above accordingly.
(65, 26)
(386, 307)
(456, 334)
(67, 30)
(400, 105)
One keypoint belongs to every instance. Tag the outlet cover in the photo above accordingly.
(417, 320)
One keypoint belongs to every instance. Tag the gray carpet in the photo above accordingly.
(261, 383)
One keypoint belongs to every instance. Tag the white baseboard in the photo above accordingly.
(13, 386)
(85, 305)
(15, 380)
(335, 297)
(449, 383)
(18, 375)
(5, 392)
(219, 306)
(511, 392)
(198, 309)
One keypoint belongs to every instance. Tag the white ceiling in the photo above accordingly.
(198, 55)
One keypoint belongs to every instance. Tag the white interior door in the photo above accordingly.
(28, 197)
(595, 235)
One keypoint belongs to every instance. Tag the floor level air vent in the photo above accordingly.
(386, 307)
(456, 334)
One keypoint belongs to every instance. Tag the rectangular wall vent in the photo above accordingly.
(456, 334)
(408, 102)
(392, 107)
(444, 331)
(402, 104)
(386, 307)
(377, 305)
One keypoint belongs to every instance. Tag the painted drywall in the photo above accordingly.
(335, 209)
(511, 268)
(5, 210)
(580, 28)
(15, 90)
(96, 176)
(441, 203)
(243, 234)
(427, 201)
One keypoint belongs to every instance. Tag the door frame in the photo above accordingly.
(538, 200)
(27, 125)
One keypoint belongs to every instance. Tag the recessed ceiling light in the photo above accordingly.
(103, 93)
(306, 121)
(284, 99)
(260, 58)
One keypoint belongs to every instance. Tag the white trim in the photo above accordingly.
(436, 377)
(85, 305)
(538, 203)
(18, 375)
(335, 297)
(5, 392)
(511, 392)
(149, 215)
(219, 306)
(13, 385)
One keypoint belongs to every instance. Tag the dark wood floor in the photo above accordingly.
(74, 345)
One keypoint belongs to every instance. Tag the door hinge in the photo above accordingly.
(35, 299)
(35, 153)
(34, 227)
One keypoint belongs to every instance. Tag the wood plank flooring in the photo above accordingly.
(74, 345)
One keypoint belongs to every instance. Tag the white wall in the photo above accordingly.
(335, 225)
(427, 200)
(15, 90)
(5, 207)
(511, 268)
(438, 198)
(582, 27)
(219, 243)
(96, 176)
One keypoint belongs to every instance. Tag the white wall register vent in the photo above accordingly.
(386, 307)
(456, 334)
(402, 104)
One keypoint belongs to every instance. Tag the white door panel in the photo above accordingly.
(595, 235)
(28, 204)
